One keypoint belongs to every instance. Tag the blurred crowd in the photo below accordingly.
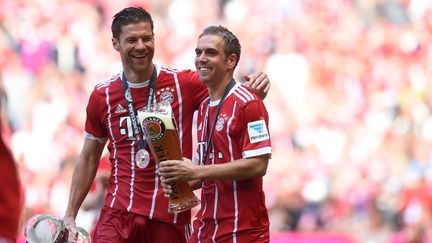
(350, 104)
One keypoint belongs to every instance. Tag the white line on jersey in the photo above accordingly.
(247, 92)
(106, 83)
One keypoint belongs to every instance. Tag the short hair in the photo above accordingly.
(130, 15)
(231, 42)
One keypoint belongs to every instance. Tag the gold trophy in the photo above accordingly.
(160, 130)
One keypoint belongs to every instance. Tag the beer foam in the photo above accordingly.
(166, 117)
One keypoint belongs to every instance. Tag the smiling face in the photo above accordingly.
(136, 47)
(211, 63)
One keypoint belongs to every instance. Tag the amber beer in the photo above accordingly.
(162, 137)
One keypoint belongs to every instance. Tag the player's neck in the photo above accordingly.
(134, 76)
(217, 91)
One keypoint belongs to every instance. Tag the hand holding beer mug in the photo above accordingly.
(158, 124)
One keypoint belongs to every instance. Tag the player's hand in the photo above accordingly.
(176, 170)
(166, 188)
(259, 83)
(71, 227)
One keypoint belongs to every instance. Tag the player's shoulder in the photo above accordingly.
(243, 95)
(167, 70)
(102, 84)
(204, 103)
(164, 69)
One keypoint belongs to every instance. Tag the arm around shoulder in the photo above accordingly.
(259, 83)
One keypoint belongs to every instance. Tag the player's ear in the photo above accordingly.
(115, 43)
(232, 61)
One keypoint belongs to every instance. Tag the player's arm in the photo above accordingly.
(83, 176)
(240, 169)
(195, 184)
(245, 168)
(258, 82)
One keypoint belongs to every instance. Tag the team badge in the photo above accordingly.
(166, 94)
(128, 95)
(257, 131)
(220, 124)
(154, 128)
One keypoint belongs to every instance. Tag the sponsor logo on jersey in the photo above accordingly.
(220, 124)
(257, 131)
(119, 109)
(154, 128)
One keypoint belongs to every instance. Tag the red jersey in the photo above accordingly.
(233, 210)
(10, 196)
(132, 188)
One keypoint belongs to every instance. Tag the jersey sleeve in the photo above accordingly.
(254, 135)
(94, 125)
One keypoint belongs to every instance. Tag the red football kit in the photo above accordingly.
(10, 197)
(134, 189)
(233, 210)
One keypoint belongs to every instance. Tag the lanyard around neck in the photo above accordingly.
(209, 139)
(132, 113)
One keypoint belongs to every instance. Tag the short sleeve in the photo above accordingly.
(255, 135)
(94, 125)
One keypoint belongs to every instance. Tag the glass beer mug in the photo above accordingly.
(158, 124)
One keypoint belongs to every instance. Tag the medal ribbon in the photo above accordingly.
(209, 139)
(139, 135)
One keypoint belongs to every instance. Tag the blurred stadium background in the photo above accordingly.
(350, 104)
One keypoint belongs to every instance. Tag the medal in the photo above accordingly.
(142, 158)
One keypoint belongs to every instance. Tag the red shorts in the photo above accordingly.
(122, 226)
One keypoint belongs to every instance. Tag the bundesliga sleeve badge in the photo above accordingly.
(257, 131)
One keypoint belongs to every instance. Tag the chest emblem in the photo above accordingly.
(166, 94)
(220, 123)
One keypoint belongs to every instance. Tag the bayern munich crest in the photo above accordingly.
(167, 96)
(220, 124)
(154, 128)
